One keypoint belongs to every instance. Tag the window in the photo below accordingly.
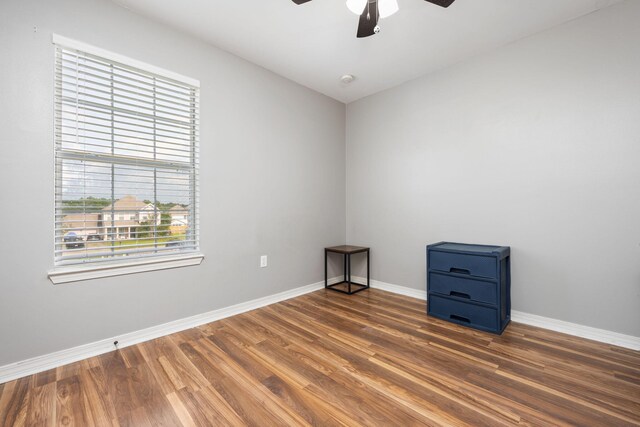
(126, 159)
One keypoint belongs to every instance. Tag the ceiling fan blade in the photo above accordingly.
(443, 3)
(368, 19)
(301, 1)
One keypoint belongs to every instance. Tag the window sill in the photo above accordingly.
(86, 272)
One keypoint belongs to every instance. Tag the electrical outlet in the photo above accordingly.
(263, 261)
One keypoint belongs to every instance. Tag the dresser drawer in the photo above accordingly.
(473, 265)
(462, 287)
(463, 313)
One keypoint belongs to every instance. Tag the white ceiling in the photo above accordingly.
(314, 44)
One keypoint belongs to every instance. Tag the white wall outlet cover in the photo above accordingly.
(263, 261)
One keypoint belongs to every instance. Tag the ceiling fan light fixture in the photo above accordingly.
(371, 11)
(356, 6)
(387, 7)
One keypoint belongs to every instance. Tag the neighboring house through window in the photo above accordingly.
(126, 157)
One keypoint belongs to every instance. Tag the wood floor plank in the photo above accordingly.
(98, 397)
(307, 406)
(147, 394)
(402, 383)
(420, 402)
(44, 378)
(70, 409)
(584, 402)
(592, 394)
(250, 384)
(578, 344)
(14, 402)
(242, 402)
(135, 418)
(188, 335)
(70, 370)
(240, 323)
(42, 406)
(565, 411)
(183, 368)
(118, 383)
(315, 411)
(6, 395)
(208, 408)
(330, 384)
(328, 359)
(164, 373)
(240, 356)
(180, 410)
(132, 356)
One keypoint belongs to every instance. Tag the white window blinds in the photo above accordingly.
(126, 157)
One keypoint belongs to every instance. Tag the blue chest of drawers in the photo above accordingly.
(470, 285)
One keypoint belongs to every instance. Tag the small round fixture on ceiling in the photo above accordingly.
(347, 78)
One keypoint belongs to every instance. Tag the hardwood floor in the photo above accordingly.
(373, 358)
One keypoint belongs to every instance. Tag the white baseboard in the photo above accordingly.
(396, 289)
(34, 365)
(53, 360)
(601, 335)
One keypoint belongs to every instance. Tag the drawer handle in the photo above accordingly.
(459, 270)
(459, 318)
(459, 295)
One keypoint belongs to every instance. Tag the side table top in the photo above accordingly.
(346, 249)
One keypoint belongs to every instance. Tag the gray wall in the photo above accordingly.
(272, 182)
(536, 146)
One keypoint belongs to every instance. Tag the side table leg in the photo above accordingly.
(349, 270)
(345, 267)
(367, 268)
(326, 282)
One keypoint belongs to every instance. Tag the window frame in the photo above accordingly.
(86, 270)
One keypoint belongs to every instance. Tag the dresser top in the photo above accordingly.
(464, 247)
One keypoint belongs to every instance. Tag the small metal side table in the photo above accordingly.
(347, 251)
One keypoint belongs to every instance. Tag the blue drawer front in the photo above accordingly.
(473, 265)
(462, 287)
(467, 314)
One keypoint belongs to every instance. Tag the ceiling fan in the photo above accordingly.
(371, 11)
